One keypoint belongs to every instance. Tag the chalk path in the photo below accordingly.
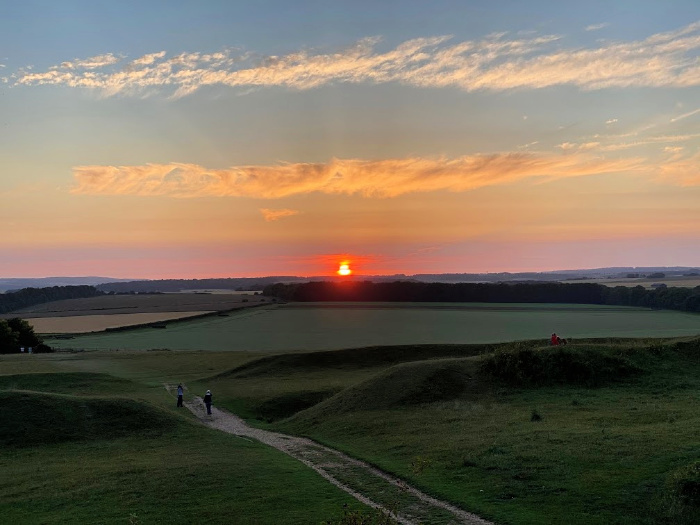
(373, 487)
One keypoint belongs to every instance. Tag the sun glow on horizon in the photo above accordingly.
(344, 268)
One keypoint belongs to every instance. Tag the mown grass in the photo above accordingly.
(79, 459)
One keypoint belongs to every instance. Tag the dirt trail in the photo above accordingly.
(364, 482)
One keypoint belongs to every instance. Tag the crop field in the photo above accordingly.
(685, 281)
(97, 314)
(139, 303)
(97, 323)
(326, 326)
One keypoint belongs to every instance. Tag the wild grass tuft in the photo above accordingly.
(357, 517)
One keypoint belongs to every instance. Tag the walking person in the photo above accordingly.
(207, 401)
(180, 393)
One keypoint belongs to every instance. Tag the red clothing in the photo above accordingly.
(555, 340)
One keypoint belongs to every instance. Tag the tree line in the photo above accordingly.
(685, 299)
(179, 285)
(15, 300)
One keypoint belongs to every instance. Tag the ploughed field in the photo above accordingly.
(327, 326)
(96, 314)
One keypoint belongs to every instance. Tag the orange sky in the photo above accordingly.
(492, 139)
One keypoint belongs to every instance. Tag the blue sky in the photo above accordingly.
(186, 139)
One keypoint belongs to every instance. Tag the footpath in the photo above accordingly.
(373, 487)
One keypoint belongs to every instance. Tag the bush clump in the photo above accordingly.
(557, 366)
(683, 494)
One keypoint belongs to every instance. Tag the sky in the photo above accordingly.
(181, 139)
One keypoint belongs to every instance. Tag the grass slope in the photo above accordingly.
(592, 434)
(32, 419)
(276, 387)
(78, 459)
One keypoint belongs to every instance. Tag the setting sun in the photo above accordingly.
(344, 269)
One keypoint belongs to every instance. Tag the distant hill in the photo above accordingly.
(181, 285)
(258, 283)
(47, 282)
(108, 284)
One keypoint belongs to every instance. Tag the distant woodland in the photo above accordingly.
(685, 299)
(182, 285)
(11, 301)
(672, 298)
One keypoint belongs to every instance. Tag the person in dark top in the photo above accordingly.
(207, 401)
(180, 393)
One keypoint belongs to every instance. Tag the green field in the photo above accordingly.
(334, 326)
(602, 431)
(605, 448)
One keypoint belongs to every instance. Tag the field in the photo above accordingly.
(684, 281)
(76, 324)
(97, 314)
(602, 431)
(139, 303)
(601, 450)
(309, 326)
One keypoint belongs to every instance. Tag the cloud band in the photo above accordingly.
(380, 178)
(494, 63)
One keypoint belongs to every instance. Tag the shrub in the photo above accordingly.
(42, 348)
(682, 495)
(557, 366)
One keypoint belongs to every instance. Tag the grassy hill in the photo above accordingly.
(74, 458)
(596, 432)
(33, 419)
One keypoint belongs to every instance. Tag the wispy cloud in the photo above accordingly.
(685, 115)
(682, 171)
(529, 144)
(613, 143)
(611, 121)
(368, 178)
(597, 27)
(658, 139)
(673, 149)
(497, 62)
(95, 62)
(274, 215)
(579, 146)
